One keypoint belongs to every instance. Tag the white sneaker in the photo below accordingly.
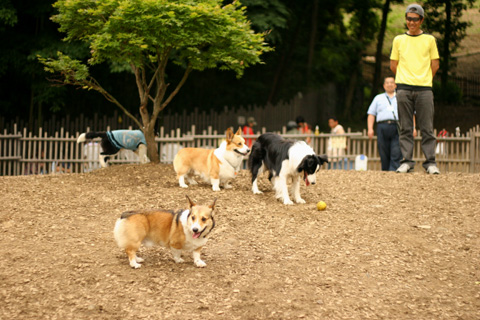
(433, 170)
(404, 168)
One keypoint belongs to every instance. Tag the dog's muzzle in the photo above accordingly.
(197, 233)
(305, 177)
(241, 153)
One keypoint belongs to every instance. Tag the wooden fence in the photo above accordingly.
(22, 152)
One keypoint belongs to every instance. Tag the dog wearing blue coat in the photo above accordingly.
(114, 141)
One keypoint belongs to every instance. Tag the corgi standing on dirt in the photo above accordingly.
(215, 166)
(182, 230)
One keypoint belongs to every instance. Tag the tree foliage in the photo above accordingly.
(148, 35)
(313, 46)
(443, 17)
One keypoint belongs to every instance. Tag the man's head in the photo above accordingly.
(415, 8)
(251, 121)
(414, 16)
(389, 85)
(300, 121)
(332, 122)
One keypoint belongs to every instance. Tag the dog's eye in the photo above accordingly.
(204, 219)
(193, 218)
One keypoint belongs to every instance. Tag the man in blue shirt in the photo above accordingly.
(384, 110)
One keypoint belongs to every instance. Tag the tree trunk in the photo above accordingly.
(377, 77)
(152, 150)
(31, 108)
(149, 132)
(313, 38)
(446, 45)
(283, 61)
(352, 85)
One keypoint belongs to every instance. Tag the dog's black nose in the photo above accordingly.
(313, 182)
(195, 229)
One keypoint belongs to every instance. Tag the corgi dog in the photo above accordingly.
(114, 141)
(181, 230)
(215, 166)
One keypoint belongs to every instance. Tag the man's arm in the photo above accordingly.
(394, 64)
(370, 122)
(435, 66)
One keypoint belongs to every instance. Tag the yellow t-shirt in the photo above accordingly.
(414, 55)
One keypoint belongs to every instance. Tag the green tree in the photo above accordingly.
(144, 36)
(362, 27)
(443, 17)
(377, 76)
(25, 27)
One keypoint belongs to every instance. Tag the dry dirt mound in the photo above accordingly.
(388, 246)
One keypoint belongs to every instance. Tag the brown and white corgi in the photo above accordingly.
(215, 166)
(181, 230)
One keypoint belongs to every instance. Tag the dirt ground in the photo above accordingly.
(388, 246)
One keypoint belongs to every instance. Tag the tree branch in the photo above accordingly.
(179, 85)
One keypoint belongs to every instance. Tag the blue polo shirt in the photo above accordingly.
(381, 107)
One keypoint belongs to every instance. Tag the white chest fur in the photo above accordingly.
(230, 162)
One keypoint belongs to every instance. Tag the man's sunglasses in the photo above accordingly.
(413, 19)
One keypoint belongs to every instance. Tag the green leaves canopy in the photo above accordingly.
(146, 35)
(200, 34)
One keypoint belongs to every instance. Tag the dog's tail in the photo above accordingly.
(91, 135)
(119, 232)
(255, 159)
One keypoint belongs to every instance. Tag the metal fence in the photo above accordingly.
(23, 153)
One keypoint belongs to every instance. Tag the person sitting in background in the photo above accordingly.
(303, 128)
(248, 130)
(61, 167)
(336, 145)
(292, 127)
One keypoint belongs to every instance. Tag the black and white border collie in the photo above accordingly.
(283, 159)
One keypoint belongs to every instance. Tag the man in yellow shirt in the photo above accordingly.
(414, 61)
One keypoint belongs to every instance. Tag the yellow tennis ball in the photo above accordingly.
(321, 205)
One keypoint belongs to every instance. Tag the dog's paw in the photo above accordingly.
(256, 191)
(134, 264)
(215, 188)
(139, 260)
(200, 263)
(193, 182)
(227, 186)
(183, 186)
(300, 200)
(178, 260)
(287, 202)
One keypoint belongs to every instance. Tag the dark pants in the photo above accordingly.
(388, 146)
(420, 104)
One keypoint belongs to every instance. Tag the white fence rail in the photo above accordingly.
(24, 153)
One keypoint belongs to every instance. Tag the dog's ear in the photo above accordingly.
(323, 159)
(229, 134)
(212, 206)
(190, 202)
(302, 164)
(239, 131)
